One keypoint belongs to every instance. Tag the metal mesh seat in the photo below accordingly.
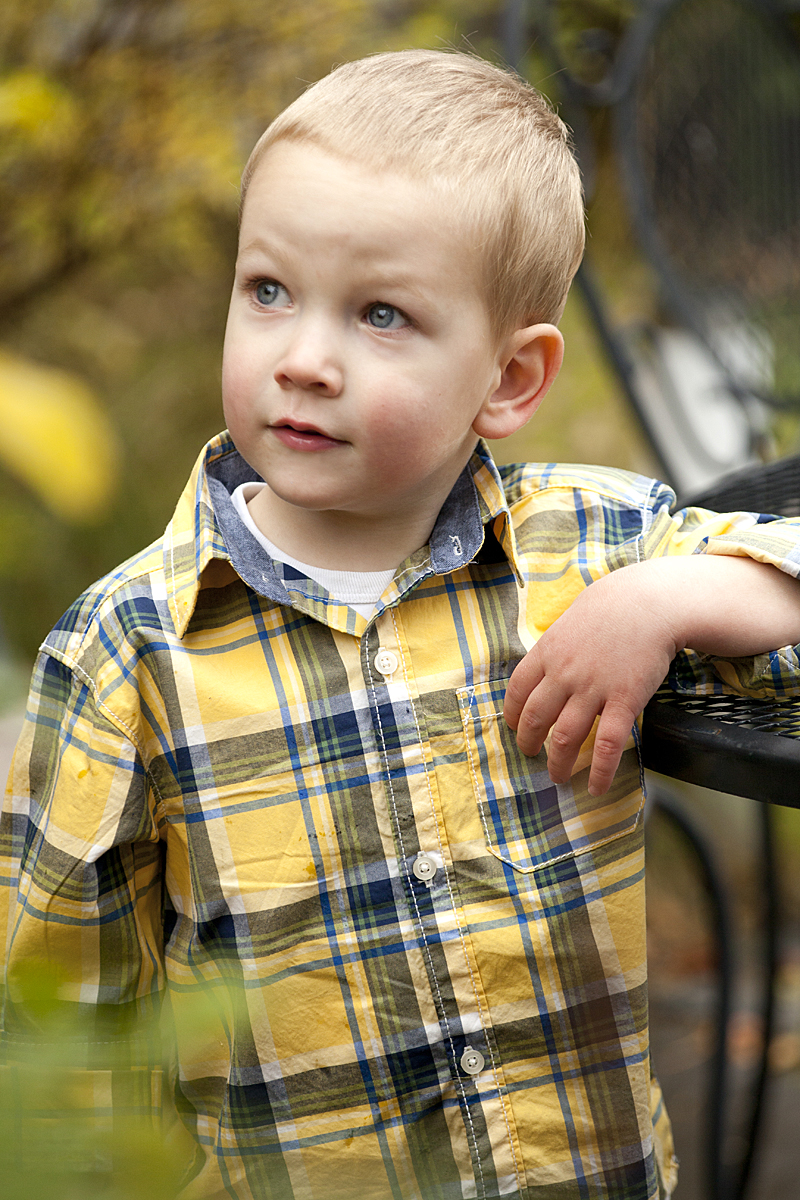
(778, 716)
(705, 101)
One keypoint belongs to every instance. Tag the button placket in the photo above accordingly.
(428, 905)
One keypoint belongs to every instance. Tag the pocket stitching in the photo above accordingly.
(481, 802)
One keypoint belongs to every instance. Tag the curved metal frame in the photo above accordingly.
(647, 379)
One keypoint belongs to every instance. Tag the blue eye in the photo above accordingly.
(385, 316)
(271, 294)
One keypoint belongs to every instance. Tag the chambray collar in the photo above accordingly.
(206, 542)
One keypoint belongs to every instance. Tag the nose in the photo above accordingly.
(310, 361)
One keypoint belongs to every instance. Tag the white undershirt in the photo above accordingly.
(360, 590)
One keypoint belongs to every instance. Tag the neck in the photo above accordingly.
(340, 541)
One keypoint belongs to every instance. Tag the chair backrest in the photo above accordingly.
(771, 488)
(709, 138)
(705, 100)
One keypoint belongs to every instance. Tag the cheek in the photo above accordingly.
(240, 351)
(395, 431)
(230, 400)
(236, 382)
(409, 441)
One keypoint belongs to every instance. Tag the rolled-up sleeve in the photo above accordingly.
(767, 539)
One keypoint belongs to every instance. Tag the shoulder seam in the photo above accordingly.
(638, 502)
(116, 720)
(100, 595)
(596, 487)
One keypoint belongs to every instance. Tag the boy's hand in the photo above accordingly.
(608, 653)
(605, 656)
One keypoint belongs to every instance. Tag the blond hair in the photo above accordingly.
(483, 134)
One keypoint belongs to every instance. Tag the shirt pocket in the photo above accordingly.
(528, 821)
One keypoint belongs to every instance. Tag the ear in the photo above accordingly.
(529, 361)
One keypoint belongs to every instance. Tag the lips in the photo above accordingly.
(300, 436)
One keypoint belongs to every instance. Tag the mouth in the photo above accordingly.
(298, 435)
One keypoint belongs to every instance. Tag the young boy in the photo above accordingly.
(268, 757)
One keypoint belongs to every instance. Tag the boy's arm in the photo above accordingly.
(80, 884)
(611, 649)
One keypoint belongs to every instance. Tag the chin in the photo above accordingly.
(308, 498)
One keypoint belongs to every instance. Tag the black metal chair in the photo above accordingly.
(748, 748)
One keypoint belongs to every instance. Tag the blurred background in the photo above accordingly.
(124, 125)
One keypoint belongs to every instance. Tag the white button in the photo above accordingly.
(424, 867)
(386, 662)
(472, 1061)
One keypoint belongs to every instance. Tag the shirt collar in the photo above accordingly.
(193, 541)
(493, 504)
(206, 544)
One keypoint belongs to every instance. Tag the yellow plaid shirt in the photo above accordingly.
(424, 963)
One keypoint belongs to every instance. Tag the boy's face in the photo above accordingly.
(358, 349)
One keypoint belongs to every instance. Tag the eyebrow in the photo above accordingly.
(258, 244)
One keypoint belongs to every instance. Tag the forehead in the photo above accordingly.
(301, 195)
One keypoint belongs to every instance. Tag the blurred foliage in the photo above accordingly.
(586, 34)
(124, 125)
(86, 1111)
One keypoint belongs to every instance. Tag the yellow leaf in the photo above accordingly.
(36, 106)
(55, 437)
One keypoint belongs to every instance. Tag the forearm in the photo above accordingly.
(730, 606)
(607, 654)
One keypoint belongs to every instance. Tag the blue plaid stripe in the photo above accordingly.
(217, 791)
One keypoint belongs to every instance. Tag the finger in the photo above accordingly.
(569, 733)
(613, 732)
(542, 709)
(526, 676)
